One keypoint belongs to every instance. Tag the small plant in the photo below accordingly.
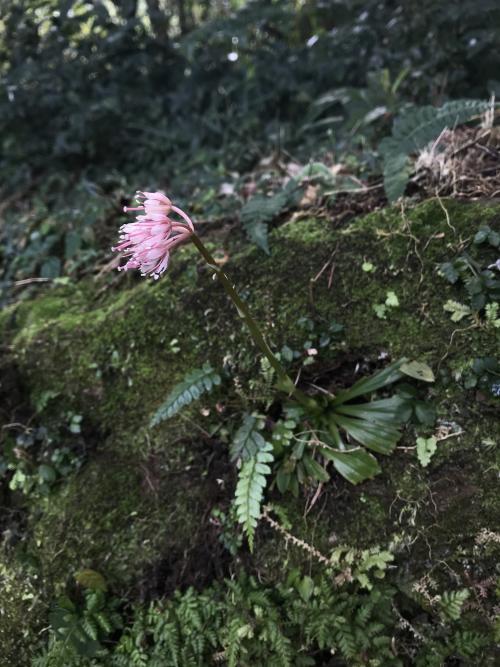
(31, 464)
(480, 279)
(342, 430)
(84, 627)
(413, 129)
(483, 373)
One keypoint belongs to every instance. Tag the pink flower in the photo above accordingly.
(147, 242)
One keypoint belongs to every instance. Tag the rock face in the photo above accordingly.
(91, 365)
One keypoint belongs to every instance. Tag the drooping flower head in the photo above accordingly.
(148, 241)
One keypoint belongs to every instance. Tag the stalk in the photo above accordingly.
(259, 340)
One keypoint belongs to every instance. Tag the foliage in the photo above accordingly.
(481, 283)
(374, 425)
(247, 440)
(426, 448)
(258, 75)
(194, 384)
(260, 210)
(451, 603)
(32, 464)
(250, 489)
(82, 629)
(483, 373)
(298, 621)
(413, 130)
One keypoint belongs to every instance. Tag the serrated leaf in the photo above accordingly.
(426, 448)
(258, 212)
(195, 384)
(250, 490)
(451, 603)
(247, 440)
(257, 233)
(413, 130)
(458, 310)
(448, 271)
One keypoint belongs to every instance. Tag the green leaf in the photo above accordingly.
(387, 376)
(418, 370)
(458, 310)
(46, 473)
(247, 440)
(482, 235)
(355, 465)
(380, 437)
(451, 603)
(51, 268)
(394, 409)
(195, 384)
(314, 469)
(259, 211)
(305, 588)
(392, 300)
(426, 448)
(412, 130)
(91, 579)
(494, 239)
(283, 479)
(257, 233)
(250, 490)
(72, 242)
(425, 413)
(448, 271)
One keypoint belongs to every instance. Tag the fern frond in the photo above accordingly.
(250, 490)
(452, 602)
(90, 627)
(195, 384)
(413, 130)
(247, 440)
(259, 211)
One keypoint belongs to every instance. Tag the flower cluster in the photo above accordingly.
(148, 241)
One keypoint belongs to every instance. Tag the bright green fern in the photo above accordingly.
(250, 489)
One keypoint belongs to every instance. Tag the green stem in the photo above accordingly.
(243, 311)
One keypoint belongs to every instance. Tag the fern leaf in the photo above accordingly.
(250, 490)
(413, 130)
(104, 622)
(258, 212)
(452, 603)
(90, 628)
(195, 384)
(247, 441)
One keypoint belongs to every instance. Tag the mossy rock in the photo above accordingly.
(139, 509)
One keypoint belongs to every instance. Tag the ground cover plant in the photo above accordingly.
(279, 446)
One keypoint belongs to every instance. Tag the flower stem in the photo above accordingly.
(243, 311)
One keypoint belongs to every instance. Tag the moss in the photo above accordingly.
(144, 497)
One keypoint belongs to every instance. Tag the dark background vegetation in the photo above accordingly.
(101, 98)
